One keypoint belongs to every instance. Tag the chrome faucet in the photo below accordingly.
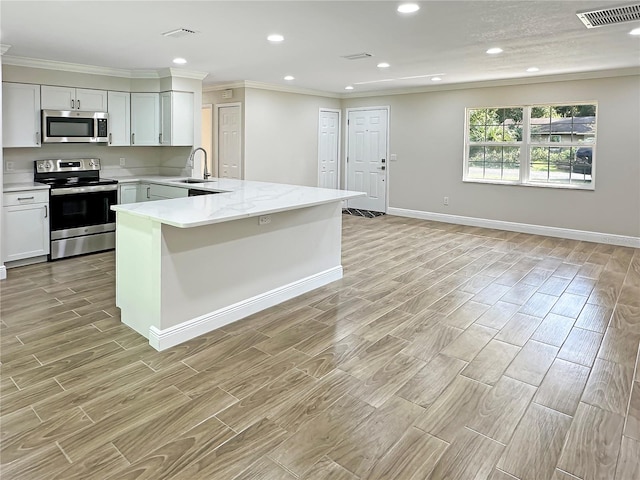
(206, 173)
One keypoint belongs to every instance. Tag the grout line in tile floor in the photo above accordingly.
(456, 256)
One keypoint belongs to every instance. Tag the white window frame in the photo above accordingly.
(525, 149)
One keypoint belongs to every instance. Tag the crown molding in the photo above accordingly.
(4, 48)
(565, 77)
(222, 86)
(269, 86)
(95, 70)
(180, 73)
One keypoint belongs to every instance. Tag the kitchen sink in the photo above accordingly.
(194, 180)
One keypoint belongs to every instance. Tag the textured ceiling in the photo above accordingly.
(444, 37)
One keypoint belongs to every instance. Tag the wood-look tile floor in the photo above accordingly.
(445, 352)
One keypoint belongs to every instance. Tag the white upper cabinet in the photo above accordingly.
(145, 119)
(176, 118)
(20, 115)
(91, 100)
(119, 118)
(68, 98)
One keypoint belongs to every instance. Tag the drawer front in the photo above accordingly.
(25, 197)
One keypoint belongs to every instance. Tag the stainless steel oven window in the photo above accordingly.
(82, 209)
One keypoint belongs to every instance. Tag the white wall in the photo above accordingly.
(281, 136)
(427, 134)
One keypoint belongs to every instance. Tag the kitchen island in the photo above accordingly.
(186, 266)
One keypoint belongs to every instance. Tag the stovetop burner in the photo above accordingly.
(76, 182)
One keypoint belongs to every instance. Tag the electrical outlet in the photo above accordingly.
(264, 219)
(9, 166)
(123, 161)
(445, 201)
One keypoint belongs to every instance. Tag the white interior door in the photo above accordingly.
(328, 148)
(229, 142)
(367, 158)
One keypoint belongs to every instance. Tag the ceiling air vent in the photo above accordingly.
(610, 16)
(357, 56)
(180, 32)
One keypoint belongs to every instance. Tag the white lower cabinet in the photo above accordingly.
(163, 192)
(26, 224)
(143, 194)
(128, 193)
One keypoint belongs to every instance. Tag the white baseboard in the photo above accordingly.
(169, 337)
(582, 235)
(3, 272)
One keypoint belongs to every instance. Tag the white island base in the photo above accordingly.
(175, 283)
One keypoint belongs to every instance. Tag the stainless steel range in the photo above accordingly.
(81, 220)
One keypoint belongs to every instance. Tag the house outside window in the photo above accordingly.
(543, 145)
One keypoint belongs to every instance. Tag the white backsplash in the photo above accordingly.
(18, 162)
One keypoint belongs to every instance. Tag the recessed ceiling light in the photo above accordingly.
(635, 31)
(533, 69)
(348, 87)
(275, 37)
(289, 77)
(408, 8)
(494, 51)
(179, 61)
(383, 65)
(435, 79)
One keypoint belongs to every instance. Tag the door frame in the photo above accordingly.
(339, 159)
(209, 107)
(216, 121)
(387, 163)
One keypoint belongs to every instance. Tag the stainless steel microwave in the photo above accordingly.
(60, 126)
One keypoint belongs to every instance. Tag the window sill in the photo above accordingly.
(590, 188)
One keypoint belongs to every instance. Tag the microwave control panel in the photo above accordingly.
(102, 127)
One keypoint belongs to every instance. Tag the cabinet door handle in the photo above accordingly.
(148, 192)
(72, 104)
(78, 104)
(110, 139)
(133, 139)
(24, 198)
(46, 211)
(37, 138)
(160, 139)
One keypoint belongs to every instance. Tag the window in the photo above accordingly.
(535, 144)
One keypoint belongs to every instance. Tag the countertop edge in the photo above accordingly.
(23, 186)
(267, 211)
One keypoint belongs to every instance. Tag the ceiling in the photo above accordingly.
(444, 38)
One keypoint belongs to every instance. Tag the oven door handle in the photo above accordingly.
(75, 190)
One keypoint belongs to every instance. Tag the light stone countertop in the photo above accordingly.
(241, 199)
(22, 186)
